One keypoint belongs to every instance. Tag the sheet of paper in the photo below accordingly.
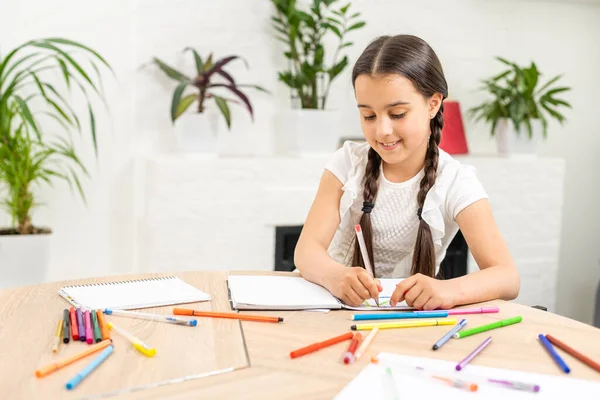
(279, 292)
(406, 382)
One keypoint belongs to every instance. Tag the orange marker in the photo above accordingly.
(102, 323)
(349, 357)
(74, 327)
(255, 318)
(584, 359)
(320, 345)
(59, 364)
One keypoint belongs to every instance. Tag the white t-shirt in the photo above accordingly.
(394, 217)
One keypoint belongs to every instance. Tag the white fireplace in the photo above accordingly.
(203, 213)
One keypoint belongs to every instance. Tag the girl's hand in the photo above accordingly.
(424, 293)
(355, 285)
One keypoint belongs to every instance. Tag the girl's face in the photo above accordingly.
(395, 117)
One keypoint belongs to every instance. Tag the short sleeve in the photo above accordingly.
(340, 163)
(464, 191)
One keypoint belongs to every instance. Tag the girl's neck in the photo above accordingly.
(407, 169)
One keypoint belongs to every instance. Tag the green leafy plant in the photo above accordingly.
(518, 97)
(204, 85)
(30, 100)
(304, 32)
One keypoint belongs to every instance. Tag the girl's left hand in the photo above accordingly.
(424, 293)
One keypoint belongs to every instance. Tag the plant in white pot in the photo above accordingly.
(311, 126)
(198, 132)
(36, 126)
(521, 105)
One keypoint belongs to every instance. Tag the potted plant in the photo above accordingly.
(36, 124)
(198, 132)
(520, 107)
(311, 126)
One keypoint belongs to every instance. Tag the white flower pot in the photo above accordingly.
(510, 141)
(307, 132)
(198, 132)
(24, 259)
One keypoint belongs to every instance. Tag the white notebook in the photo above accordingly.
(248, 292)
(140, 293)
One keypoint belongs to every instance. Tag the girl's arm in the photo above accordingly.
(352, 285)
(497, 279)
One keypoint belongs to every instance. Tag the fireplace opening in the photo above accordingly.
(286, 238)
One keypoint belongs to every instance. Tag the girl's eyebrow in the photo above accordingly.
(387, 106)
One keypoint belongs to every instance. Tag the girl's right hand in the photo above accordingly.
(355, 285)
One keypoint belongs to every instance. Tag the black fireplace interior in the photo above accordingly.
(286, 237)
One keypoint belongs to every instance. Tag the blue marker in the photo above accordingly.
(400, 315)
(448, 335)
(90, 367)
(561, 363)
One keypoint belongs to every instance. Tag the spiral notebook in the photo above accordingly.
(139, 293)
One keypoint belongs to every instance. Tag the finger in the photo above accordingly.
(355, 299)
(369, 284)
(401, 289)
(422, 299)
(379, 285)
(432, 304)
(410, 294)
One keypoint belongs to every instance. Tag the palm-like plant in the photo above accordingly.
(203, 84)
(303, 32)
(518, 98)
(30, 155)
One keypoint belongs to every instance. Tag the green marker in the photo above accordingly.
(97, 332)
(488, 327)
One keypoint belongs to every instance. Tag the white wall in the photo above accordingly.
(561, 36)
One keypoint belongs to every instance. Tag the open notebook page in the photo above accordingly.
(278, 293)
(292, 293)
(374, 382)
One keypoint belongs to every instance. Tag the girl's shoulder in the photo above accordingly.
(348, 159)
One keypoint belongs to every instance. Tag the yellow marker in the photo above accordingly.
(137, 343)
(58, 337)
(404, 324)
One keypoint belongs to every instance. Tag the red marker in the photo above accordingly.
(74, 329)
(349, 357)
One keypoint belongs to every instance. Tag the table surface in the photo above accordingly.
(258, 352)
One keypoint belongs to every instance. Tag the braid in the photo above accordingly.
(370, 189)
(424, 261)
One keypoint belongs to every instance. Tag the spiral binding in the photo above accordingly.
(163, 278)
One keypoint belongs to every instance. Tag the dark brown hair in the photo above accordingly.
(414, 59)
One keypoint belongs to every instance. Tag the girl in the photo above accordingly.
(409, 196)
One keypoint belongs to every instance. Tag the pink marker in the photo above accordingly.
(88, 327)
(481, 310)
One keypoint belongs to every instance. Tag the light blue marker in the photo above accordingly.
(400, 315)
(90, 367)
(448, 335)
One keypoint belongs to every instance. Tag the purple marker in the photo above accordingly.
(474, 354)
(80, 326)
(528, 387)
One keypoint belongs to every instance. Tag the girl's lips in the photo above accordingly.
(388, 147)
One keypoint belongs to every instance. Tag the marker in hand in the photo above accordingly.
(365, 255)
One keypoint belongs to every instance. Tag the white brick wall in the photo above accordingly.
(204, 214)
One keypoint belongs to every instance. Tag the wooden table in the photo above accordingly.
(258, 351)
